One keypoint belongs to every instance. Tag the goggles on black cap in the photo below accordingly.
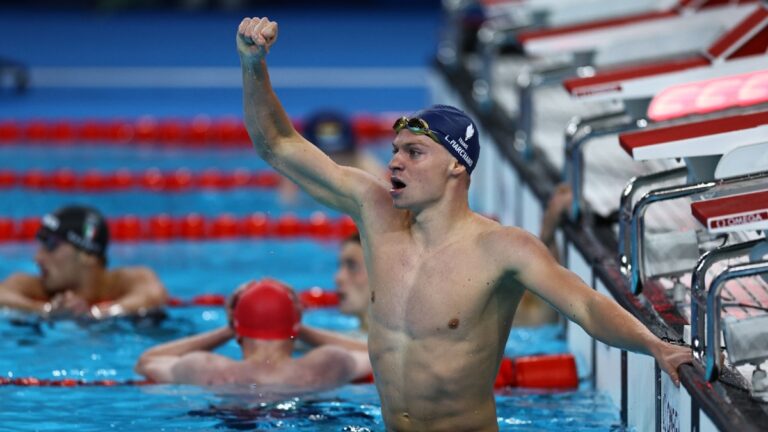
(82, 227)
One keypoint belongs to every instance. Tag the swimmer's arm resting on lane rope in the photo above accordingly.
(599, 315)
(16, 293)
(141, 291)
(276, 140)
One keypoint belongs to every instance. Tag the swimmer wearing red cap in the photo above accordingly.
(74, 281)
(265, 317)
(446, 281)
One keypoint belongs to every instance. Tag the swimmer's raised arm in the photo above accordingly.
(600, 316)
(275, 138)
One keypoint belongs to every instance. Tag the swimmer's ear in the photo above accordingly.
(456, 168)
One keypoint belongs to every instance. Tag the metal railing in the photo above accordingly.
(714, 361)
(698, 298)
(634, 270)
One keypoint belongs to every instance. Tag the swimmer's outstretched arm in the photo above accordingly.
(159, 362)
(275, 138)
(600, 316)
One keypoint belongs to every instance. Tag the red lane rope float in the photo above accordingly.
(68, 382)
(197, 227)
(553, 372)
(312, 298)
(153, 179)
(547, 371)
(198, 131)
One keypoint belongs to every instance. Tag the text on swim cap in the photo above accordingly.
(460, 149)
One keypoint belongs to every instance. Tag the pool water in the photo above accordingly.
(109, 350)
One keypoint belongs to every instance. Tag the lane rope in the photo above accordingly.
(193, 226)
(153, 179)
(199, 131)
(547, 371)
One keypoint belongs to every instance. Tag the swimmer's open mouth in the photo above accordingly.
(397, 184)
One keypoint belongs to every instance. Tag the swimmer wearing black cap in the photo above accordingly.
(264, 317)
(446, 281)
(74, 281)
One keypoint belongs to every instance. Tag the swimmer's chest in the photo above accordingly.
(424, 293)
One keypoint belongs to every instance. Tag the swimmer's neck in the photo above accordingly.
(266, 351)
(435, 225)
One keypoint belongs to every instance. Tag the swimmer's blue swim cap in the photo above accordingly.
(455, 131)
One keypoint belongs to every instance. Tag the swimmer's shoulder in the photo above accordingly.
(25, 284)
(499, 241)
(203, 367)
(124, 279)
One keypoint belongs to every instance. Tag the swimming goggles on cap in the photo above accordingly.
(49, 241)
(415, 125)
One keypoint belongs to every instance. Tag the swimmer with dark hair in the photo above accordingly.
(264, 318)
(74, 282)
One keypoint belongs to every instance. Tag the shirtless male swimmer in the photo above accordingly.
(445, 281)
(74, 281)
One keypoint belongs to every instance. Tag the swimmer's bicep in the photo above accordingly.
(535, 267)
(342, 188)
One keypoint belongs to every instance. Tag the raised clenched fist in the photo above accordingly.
(254, 38)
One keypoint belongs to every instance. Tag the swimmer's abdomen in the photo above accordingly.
(433, 378)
